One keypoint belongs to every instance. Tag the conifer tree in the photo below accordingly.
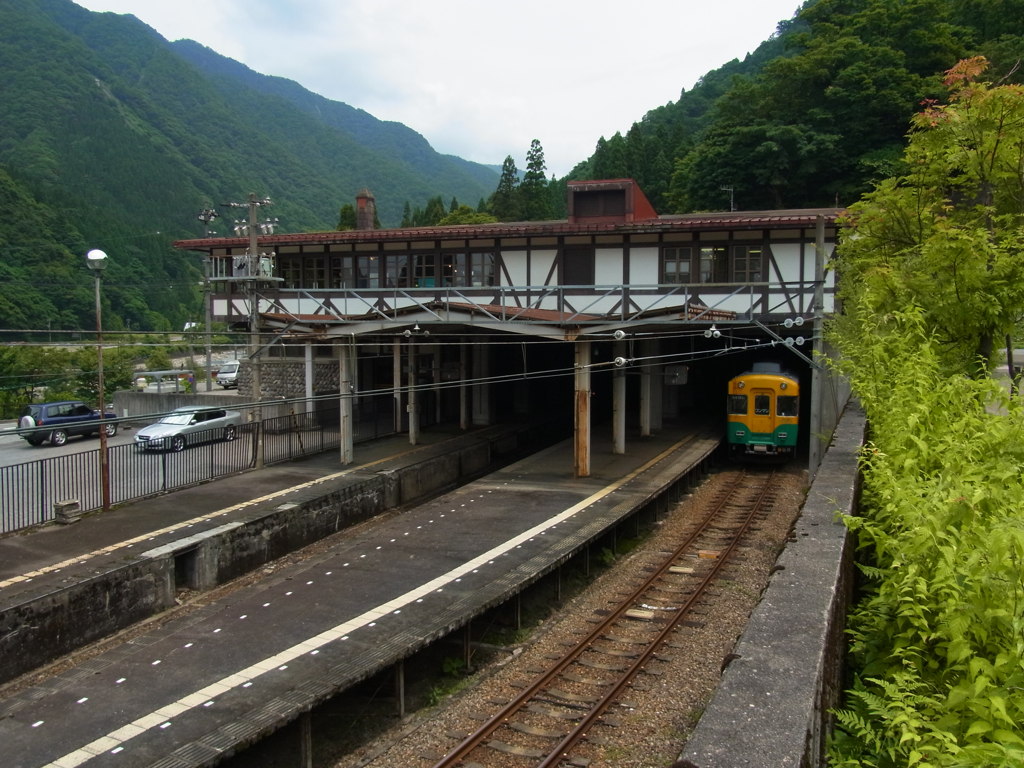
(346, 218)
(505, 200)
(533, 191)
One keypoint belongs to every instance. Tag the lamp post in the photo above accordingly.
(97, 262)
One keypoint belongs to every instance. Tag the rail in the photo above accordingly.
(723, 526)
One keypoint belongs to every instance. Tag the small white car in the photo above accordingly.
(188, 425)
(227, 376)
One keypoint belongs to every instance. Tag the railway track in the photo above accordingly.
(557, 712)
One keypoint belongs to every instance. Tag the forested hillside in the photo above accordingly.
(114, 138)
(816, 114)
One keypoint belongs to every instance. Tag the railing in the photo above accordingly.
(579, 304)
(30, 491)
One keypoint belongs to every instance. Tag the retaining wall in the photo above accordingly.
(46, 623)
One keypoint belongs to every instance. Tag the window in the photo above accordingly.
(675, 265)
(467, 270)
(762, 405)
(709, 257)
(396, 271)
(578, 265)
(342, 272)
(313, 276)
(747, 263)
(423, 270)
(737, 405)
(787, 405)
(367, 275)
(610, 202)
(481, 269)
(289, 269)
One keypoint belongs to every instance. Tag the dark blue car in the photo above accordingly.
(57, 422)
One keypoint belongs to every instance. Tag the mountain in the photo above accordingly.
(117, 138)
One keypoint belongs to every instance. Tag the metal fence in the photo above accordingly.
(30, 491)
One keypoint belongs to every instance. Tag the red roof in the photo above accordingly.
(785, 219)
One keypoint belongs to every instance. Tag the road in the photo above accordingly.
(14, 450)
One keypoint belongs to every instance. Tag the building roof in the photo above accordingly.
(782, 219)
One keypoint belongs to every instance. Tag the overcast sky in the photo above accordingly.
(481, 79)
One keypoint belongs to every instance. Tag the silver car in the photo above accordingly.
(189, 425)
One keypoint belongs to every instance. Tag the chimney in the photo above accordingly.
(366, 209)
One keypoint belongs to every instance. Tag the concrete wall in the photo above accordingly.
(771, 707)
(53, 624)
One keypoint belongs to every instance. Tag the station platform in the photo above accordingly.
(220, 677)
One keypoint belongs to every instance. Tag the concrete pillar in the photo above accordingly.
(481, 388)
(657, 396)
(309, 375)
(396, 382)
(581, 411)
(346, 365)
(645, 392)
(306, 740)
(436, 368)
(400, 688)
(413, 406)
(463, 387)
(619, 403)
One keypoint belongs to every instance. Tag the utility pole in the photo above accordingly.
(207, 215)
(257, 267)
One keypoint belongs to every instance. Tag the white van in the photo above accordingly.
(227, 376)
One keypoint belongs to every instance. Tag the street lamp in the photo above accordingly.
(97, 262)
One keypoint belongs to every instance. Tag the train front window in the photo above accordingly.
(787, 405)
(738, 405)
(762, 405)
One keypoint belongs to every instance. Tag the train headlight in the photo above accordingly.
(740, 384)
(782, 385)
(783, 435)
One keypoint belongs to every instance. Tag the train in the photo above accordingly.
(763, 412)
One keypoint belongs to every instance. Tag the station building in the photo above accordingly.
(615, 318)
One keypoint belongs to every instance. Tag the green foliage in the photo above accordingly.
(429, 216)
(937, 637)
(946, 234)
(816, 115)
(463, 214)
(346, 218)
(504, 203)
(533, 197)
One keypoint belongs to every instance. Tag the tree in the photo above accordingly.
(505, 200)
(346, 218)
(533, 191)
(946, 236)
(466, 215)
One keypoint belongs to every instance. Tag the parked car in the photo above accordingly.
(227, 376)
(188, 425)
(58, 421)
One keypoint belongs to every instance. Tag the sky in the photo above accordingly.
(481, 78)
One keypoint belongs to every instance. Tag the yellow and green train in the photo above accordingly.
(763, 412)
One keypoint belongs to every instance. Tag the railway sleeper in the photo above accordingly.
(557, 714)
(574, 678)
(512, 749)
(532, 730)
